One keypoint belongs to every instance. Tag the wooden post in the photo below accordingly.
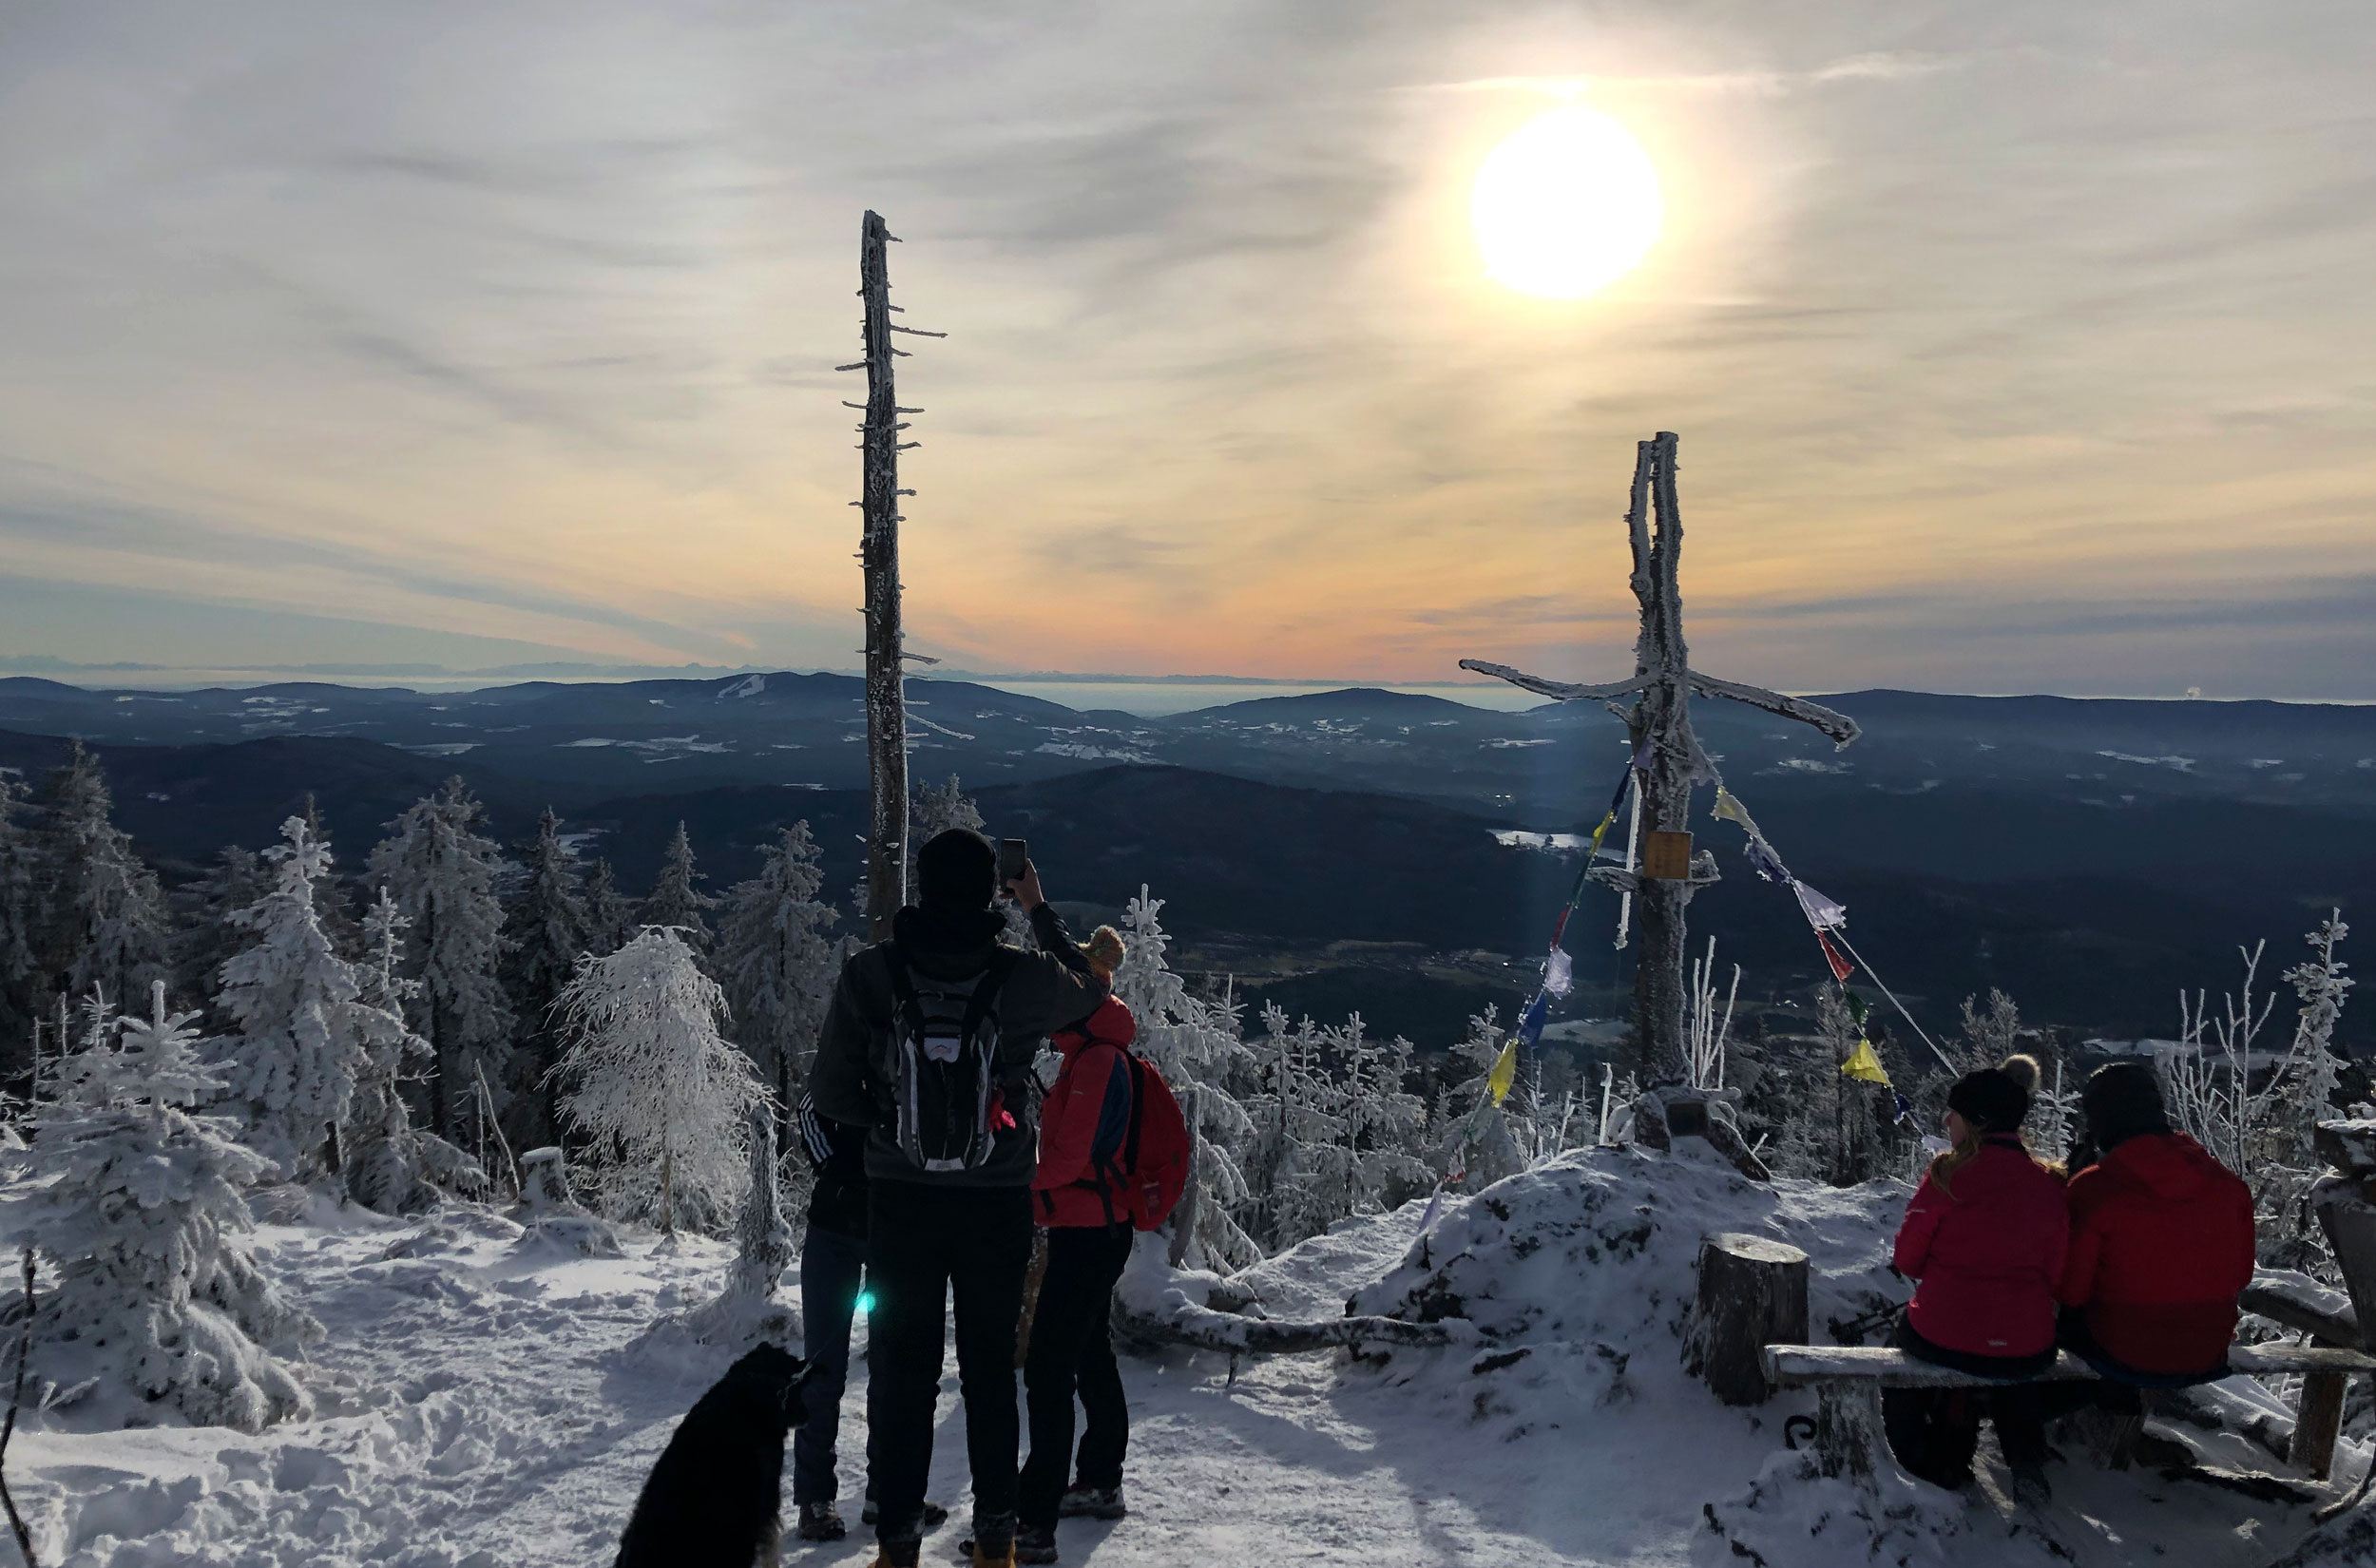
(1668, 760)
(1753, 1293)
(886, 693)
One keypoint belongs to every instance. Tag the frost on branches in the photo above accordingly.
(677, 897)
(106, 915)
(543, 935)
(144, 1220)
(1194, 1045)
(652, 1086)
(385, 1155)
(305, 1034)
(2253, 1108)
(442, 871)
(1334, 1133)
(776, 960)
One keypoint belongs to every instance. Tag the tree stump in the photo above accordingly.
(545, 1184)
(1753, 1293)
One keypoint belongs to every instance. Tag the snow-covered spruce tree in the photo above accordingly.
(105, 915)
(442, 872)
(544, 934)
(778, 962)
(745, 1309)
(207, 936)
(385, 1155)
(1194, 1045)
(610, 922)
(334, 899)
(20, 912)
(652, 1086)
(1385, 1125)
(304, 1033)
(677, 899)
(144, 1222)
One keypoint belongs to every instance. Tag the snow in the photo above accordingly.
(480, 1404)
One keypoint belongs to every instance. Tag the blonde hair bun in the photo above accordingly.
(1104, 949)
(2022, 1070)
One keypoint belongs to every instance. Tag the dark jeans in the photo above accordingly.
(1934, 1432)
(1072, 1349)
(923, 1242)
(832, 1270)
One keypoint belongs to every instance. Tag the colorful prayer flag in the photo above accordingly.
(1822, 913)
(1865, 1066)
(1765, 862)
(1841, 968)
(1504, 1073)
(1530, 1022)
(1558, 972)
(1729, 809)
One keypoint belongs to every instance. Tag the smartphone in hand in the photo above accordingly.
(1014, 858)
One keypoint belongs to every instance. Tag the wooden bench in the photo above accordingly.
(1847, 1380)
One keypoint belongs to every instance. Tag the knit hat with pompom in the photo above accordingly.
(1995, 1100)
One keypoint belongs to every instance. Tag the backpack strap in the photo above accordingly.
(985, 987)
(1110, 1169)
(1138, 1107)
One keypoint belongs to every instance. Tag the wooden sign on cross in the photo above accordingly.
(1668, 760)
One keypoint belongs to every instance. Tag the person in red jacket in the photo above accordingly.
(1087, 1111)
(2161, 1240)
(1983, 1239)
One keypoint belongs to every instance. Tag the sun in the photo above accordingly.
(1566, 205)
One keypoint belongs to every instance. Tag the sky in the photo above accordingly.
(2017, 347)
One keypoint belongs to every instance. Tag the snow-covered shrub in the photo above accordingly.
(442, 872)
(652, 1086)
(143, 1216)
(305, 1034)
(1194, 1044)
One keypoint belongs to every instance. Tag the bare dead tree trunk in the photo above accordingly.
(886, 695)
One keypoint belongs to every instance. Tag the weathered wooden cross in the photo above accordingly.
(1667, 758)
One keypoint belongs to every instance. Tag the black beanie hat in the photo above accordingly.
(2122, 1101)
(957, 870)
(1995, 1100)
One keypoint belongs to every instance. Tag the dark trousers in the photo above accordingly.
(1934, 1432)
(833, 1267)
(924, 1242)
(1072, 1350)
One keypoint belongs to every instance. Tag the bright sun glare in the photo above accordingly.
(1568, 204)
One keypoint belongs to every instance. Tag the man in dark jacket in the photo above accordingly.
(2161, 1239)
(932, 1230)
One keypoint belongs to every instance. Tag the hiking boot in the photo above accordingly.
(1091, 1502)
(2029, 1487)
(935, 1515)
(1034, 1545)
(898, 1554)
(821, 1521)
(984, 1554)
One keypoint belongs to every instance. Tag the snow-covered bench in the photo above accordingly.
(1847, 1380)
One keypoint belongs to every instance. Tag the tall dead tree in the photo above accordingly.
(1667, 758)
(878, 553)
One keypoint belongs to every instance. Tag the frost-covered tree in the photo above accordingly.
(385, 1163)
(1195, 1046)
(334, 899)
(609, 921)
(304, 1033)
(546, 934)
(20, 915)
(236, 878)
(144, 1220)
(442, 872)
(1482, 1142)
(651, 1084)
(105, 914)
(677, 897)
(777, 960)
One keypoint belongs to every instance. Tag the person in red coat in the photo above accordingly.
(1983, 1239)
(2161, 1240)
(1088, 1111)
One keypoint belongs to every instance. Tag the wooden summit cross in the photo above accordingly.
(1667, 758)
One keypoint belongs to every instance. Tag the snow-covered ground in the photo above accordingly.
(485, 1407)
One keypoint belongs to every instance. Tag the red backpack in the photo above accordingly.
(1147, 1169)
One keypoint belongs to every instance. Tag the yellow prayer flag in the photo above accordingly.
(1862, 1064)
(1505, 1072)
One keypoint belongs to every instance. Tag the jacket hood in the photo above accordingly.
(2172, 1164)
(1112, 1025)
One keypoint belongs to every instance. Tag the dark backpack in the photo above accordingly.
(1142, 1157)
(944, 1074)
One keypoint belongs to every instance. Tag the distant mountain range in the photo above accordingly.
(2091, 857)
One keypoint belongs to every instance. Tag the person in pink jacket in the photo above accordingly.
(1983, 1239)
(1082, 1126)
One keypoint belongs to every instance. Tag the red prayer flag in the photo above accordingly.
(1841, 968)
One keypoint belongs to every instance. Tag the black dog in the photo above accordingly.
(714, 1497)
